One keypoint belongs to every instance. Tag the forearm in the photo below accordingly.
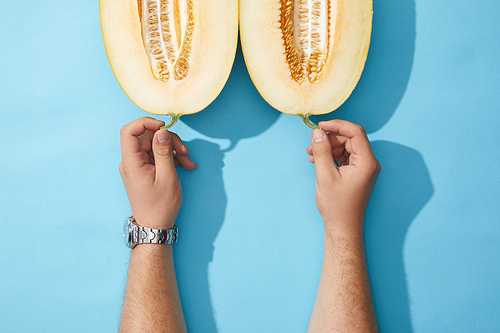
(152, 302)
(344, 302)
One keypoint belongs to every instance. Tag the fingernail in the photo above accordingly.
(163, 136)
(318, 135)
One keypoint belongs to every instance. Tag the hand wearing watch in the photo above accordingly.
(134, 234)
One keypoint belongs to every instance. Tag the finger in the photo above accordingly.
(334, 147)
(181, 153)
(342, 160)
(185, 162)
(178, 145)
(338, 151)
(164, 156)
(130, 141)
(309, 150)
(147, 140)
(357, 143)
(354, 132)
(323, 158)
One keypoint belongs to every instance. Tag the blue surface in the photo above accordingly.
(250, 248)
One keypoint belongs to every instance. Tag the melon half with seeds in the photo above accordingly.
(171, 57)
(305, 56)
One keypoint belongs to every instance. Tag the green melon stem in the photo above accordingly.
(305, 118)
(175, 117)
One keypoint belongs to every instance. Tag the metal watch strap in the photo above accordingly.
(144, 235)
(134, 234)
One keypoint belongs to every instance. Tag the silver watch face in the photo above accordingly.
(126, 232)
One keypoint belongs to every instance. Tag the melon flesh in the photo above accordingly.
(305, 57)
(170, 56)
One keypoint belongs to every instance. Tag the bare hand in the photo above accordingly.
(343, 189)
(149, 157)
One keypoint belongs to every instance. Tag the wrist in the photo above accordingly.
(351, 230)
(151, 251)
(341, 243)
(154, 221)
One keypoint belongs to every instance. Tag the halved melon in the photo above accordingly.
(305, 56)
(170, 56)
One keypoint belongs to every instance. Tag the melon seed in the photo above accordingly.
(305, 29)
(167, 30)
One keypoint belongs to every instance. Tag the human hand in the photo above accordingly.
(343, 190)
(149, 157)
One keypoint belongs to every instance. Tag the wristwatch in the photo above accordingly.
(134, 234)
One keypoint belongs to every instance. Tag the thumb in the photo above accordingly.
(323, 157)
(164, 155)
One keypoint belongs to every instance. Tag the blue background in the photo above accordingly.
(250, 248)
